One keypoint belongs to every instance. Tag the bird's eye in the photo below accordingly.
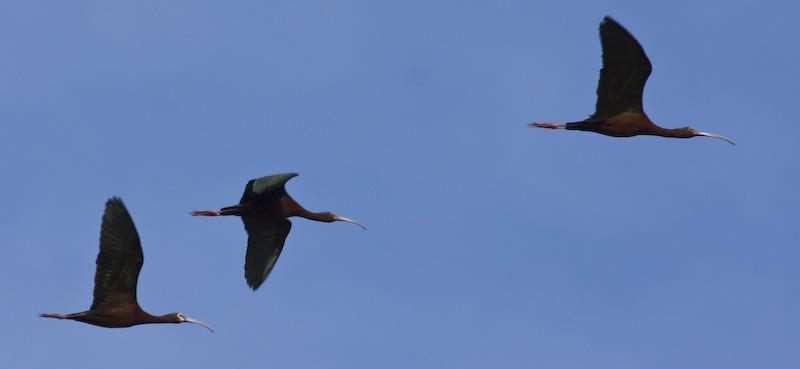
(181, 317)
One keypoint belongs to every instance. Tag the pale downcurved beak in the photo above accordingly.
(713, 135)
(351, 221)
(190, 320)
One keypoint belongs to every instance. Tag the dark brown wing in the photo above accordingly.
(120, 258)
(624, 73)
(264, 244)
(264, 188)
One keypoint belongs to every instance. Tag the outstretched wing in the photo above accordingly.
(264, 244)
(119, 260)
(624, 73)
(263, 188)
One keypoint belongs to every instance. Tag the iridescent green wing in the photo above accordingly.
(265, 187)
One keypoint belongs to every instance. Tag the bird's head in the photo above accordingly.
(180, 318)
(331, 217)
(687, 132)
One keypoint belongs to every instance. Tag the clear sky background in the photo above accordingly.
(489, 244)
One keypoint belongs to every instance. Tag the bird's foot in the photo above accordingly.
(547, 125)
(210, 213)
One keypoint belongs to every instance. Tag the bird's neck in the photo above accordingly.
(144, 317)
(647, 127)
(669, 132)
(663, 132)
(323, 217)
(296, 210)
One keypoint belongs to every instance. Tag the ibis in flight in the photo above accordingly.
(264, 208)
(619, 110)
(118, 264)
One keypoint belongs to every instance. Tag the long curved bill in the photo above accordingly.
(190, 320)
(713, 135)
(351, 221)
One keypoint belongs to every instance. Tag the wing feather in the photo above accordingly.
(264, 244)
(120, 258)
(624, 73)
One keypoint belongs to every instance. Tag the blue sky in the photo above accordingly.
(489, 244)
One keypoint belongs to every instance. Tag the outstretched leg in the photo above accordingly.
(60, 316)
(547, 125)
(209, 213)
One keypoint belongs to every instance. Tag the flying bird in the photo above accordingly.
(264, 208)
(118, 264)
(619, 110)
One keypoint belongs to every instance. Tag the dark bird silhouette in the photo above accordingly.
(118, 264)
(264, 208)
(619, 110)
